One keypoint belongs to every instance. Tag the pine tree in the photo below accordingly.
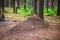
(41, 6)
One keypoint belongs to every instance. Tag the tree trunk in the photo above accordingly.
(25, 4)
(35, 7)
(58, 11)
(17, 3)
(6, 3)
(41, 6)
(2, 9)
(13, 6)
(11, 3)
(47, 4)
(2, 6)
(52, 4)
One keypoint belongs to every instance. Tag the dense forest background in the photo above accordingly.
(29, 19)
(30, 7)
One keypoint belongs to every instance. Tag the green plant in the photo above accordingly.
(24, 13)
(50, 12)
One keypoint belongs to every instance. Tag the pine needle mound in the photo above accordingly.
(34, 28)
(32, 23)
(37, 21)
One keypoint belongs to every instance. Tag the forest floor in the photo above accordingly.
(17, 27)
(16, 17)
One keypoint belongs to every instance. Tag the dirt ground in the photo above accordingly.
(34, 28)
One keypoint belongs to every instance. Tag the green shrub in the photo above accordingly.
(26, 12)
(50, 12)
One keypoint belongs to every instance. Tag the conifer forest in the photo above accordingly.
(29, 19)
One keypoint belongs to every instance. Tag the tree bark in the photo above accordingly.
(2, 6)
(25, 4)
(13, 5)
(17, 3)
(35, 7)
(7, 3)
(41, 6)
(47, 5)
(52, 4)
(58, 11)
(2, 9)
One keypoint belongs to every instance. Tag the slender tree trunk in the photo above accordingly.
(47, 4)
(2, 5)
(11, 3)
(52, 4)
(32, 4)
(13, 6)
(25, 4)
(58, 11)
(7, 3)
(35, 7)
(41, 6)
(17, 3)
(2, 9)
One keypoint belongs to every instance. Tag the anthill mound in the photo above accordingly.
(34, 28)
(33, 22)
